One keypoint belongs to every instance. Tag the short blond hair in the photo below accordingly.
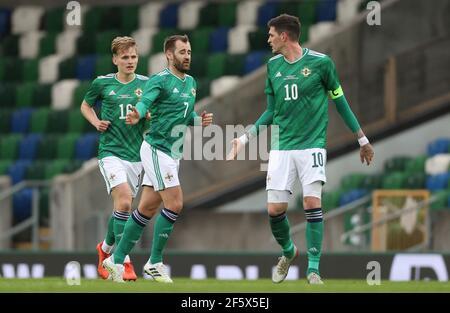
(122, 43)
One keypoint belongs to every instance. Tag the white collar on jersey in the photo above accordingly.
(305, 52)
(183, 80)
(115, 77)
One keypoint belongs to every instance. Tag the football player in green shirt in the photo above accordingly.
(299, 81)
(118, 153)
(170, 97)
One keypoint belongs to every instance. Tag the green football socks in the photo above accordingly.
(109, 238)
(280, 229)
(132, 232)
(314, 236)
(161, 233)
(120, 218)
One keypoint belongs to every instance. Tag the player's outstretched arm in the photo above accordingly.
(265, 119)
(91, 116)
(132, 117)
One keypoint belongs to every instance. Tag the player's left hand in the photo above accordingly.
(148, 116)
(366, 153)
(207, 118)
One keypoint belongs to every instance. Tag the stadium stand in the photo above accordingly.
(39, 102)
(425, 172)
(46, 67)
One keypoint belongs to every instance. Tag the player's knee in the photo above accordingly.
(123, 205)
(175, 206)
(275, 209)
(312, 194)
(147, 212)
(311, 203)
(148, 209)
(277, 201)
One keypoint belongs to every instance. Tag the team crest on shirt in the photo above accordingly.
(138, 92)
(193, 91)
(306, 71)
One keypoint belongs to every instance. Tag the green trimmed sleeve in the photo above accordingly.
(193, 118)
(266, 118)
(329, 75)
(152, 90)
(94, 92)
(268, 90)
(331, 81)
(346, 113)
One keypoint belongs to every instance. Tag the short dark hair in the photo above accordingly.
(288, 24)
(169, 42)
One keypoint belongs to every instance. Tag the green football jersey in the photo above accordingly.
(300, 90)
(120, 140)
(170, 101)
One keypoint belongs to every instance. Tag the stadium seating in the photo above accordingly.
(20, 120)
(17, 171)
(30, 70)
(4, 166)
(265, 12)
(352, 181)
(431, 172)
(441, 145)
(85, 67)
(46, 149)
(22, 205)
(441, 200)
(168, 16)
(416, 165)
(65, 149)
(371, 182)
(28, 146)
(49, 52)
(5, 24)
(5, 121)
(86, 147)
(218, 40)
(46, 69)
(9, 145)
(254, 60)
(326, 10)
(351, 196)
(52, 21)
(331, 200)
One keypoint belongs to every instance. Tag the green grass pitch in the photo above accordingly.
(57, 284)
